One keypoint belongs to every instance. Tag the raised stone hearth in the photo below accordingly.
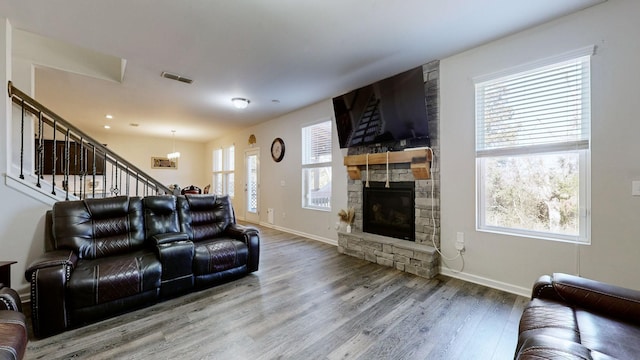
(403, 255)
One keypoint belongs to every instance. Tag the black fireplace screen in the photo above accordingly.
(390, 211)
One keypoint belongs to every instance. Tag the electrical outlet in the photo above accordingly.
(460, 241)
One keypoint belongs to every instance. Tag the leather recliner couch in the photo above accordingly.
(570, 317)
(107, 256)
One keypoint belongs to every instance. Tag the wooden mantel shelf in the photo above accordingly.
(419, 159)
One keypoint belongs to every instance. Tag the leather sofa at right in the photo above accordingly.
(571, 317)
(13, 327)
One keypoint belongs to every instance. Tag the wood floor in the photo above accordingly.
(307, 301)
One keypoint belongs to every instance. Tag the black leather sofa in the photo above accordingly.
(13, 327)
(570, 317)
(108, 256)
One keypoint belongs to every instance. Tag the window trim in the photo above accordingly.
(317, 165)
(581, 147)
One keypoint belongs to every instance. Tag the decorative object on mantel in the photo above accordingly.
(420, 160)
(347, 217)
(252, 140)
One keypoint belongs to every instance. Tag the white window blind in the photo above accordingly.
(230, 158)
(223, 171)
(316, 140)
(217, 160)
(542, 110)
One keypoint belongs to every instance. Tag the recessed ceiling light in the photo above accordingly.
(134, 124)
(107, 127)
(275, 101)
(109, 116)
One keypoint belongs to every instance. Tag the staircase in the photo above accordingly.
(58, 159)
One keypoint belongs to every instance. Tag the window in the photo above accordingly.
(223, 171)
(532, 149)
(316, 166)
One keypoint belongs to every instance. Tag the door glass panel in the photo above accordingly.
(252, 183)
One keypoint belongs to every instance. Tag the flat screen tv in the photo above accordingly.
(386, 111)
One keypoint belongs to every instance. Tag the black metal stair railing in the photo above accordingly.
(63, 154)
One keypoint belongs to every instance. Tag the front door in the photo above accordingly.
(252, 185)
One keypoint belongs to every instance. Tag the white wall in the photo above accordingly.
(192, 169)
(21, 217)
(514, 263)
(286, 200)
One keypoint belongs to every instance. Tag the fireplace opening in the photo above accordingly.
(389, 211)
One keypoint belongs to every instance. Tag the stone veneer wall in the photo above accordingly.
(417, 257)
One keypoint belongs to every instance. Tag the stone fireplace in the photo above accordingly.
(418, 255)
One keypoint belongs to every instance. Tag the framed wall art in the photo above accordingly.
(158, 162)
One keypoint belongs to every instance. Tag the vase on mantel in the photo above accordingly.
(348, 229)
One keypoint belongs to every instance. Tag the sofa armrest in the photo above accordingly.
(543, 289)
(599, 297)
(65, 258)
(251, 237)
(167, 238)
(240, 232)
(48, 277)
(549, 347)
(9, 299)
(175, 252)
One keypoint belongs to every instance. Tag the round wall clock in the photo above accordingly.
(277, 149)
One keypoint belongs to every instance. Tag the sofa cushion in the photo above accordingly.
(610, 336)
(550, 329)
(550, 318)
(160, 215)
(98, 281)
(204, 217)
(219, 255)
(94, 228)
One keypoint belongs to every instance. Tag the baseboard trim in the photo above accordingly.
(510, 288)
(300, 233)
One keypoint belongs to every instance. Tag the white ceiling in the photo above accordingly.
(298, 52)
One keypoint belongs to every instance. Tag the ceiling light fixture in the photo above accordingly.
(109, 116)
(240, 103)
(175, 154)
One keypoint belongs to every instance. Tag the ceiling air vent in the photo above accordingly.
(176, 77)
